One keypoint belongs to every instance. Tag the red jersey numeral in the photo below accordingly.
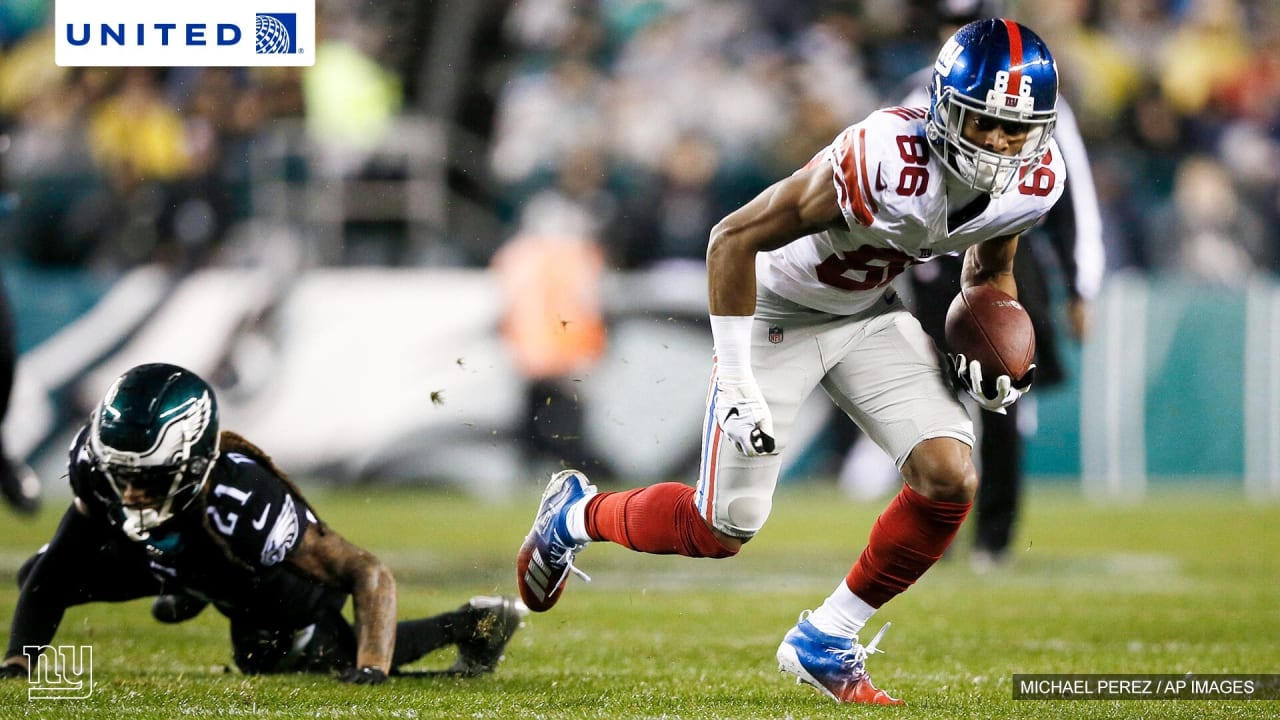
(1040, 181)
(914, 179)
(863, 269)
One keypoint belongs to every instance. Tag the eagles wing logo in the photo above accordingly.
(284, 534)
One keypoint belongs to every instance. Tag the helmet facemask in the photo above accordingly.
(978, 168)
(165, 478)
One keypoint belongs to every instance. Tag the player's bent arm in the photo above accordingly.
(791, 208)
(991, 263)
(329, 558)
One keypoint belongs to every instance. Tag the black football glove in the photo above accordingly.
(367, 675)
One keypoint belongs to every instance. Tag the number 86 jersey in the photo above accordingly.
(891, 188)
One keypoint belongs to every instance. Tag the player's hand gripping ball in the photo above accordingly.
(992, 345)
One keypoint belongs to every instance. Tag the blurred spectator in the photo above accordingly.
(138, 140)
(578, 204)
(1204, 230)
(1099, 75)
(541, 118)
(136, 135)
(550, 273)
(1208, 48)
(688, 106)
(669, 217)
(350, 99)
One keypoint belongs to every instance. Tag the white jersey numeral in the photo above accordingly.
(227, 525)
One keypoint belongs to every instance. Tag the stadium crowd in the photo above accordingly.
(1178, 100)
(642, 122)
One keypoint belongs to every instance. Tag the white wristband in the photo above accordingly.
(732, 337)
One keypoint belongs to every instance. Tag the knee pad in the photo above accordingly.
(743, 516)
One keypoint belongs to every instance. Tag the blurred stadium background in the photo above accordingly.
(328, 245)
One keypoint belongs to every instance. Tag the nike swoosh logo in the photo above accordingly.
(880, 184)
(262, 521)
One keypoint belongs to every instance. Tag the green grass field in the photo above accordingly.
(1182, 583)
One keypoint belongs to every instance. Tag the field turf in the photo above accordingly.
(1184, 582)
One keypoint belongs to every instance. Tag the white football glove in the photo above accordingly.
(743, 415)
(970, 374)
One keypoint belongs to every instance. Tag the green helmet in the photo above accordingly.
(156, 432)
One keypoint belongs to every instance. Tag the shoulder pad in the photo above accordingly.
(870, 160)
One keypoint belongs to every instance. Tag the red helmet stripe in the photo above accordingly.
(1015, 55)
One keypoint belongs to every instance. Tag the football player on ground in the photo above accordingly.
(800, 297)
(166, 505)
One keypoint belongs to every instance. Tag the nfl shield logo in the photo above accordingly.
(775, 334)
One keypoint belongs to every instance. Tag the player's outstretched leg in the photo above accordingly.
(546, 557)
(495, 619)
(835, 665)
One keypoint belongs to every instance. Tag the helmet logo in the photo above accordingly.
(947, 57)
(999, 97)
(182, 428)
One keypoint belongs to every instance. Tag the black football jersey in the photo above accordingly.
(229, 549)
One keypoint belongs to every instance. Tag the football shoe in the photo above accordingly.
(837, 666)
(496, 619)
(546, 557)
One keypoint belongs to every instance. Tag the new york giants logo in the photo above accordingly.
(63, 673)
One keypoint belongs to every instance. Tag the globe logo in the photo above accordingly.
(274, 33)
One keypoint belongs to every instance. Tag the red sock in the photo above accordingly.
(907, 539)
(661, 519)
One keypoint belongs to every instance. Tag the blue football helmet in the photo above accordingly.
(154, 435)
(1002, 70)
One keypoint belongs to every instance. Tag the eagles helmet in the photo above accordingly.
(1000, 69)
(155, 438)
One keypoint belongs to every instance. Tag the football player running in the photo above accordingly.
(167, 505)
(799, 297)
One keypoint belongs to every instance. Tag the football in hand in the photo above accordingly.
(989, 326)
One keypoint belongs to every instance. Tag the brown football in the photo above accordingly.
(987, 325)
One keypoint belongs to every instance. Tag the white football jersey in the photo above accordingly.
(892, 193)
